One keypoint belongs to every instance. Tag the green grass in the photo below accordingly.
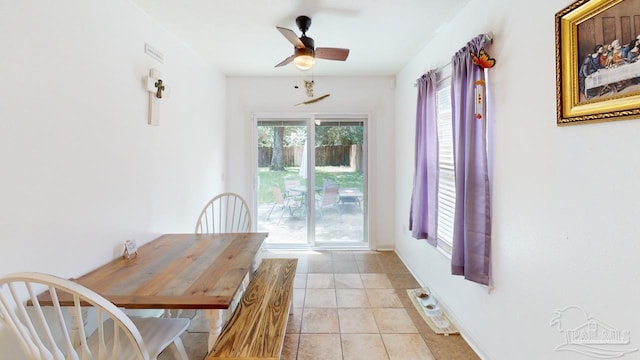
(343, 176)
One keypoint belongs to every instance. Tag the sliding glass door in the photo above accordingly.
(282, 191)
(311, 181)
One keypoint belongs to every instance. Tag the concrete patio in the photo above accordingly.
(341, 224)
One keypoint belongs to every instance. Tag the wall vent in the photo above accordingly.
(153, 53)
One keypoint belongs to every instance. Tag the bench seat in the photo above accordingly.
(257, 327)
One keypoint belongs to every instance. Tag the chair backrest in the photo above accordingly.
(326, 183)
(277, 195)
(49, 337)
(329, 194)
(225, 213)
(288, 184)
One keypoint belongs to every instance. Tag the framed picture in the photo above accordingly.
(130, 249)
(598, 61)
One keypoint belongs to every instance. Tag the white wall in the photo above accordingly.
(565, 199)
(81, 169)
(246, 96)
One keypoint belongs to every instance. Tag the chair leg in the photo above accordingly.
(172, 314)
(270, 211)
(281, 214)
(178, 350)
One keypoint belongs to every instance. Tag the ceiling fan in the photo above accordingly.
(304, 51)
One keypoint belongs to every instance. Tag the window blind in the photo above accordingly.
(446, 178)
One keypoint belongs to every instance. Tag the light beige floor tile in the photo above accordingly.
(348, 281)
(303, 266)
(320, 281)
(394, 267)
(298, 297)
(320, 298)
(195, 345)
(319, 347)
(363, 347)
(346, 255)
(394, 321)
(352, 298)
(346, 324)
(320, 266)
(369, 266)
(187, 313)
(320, 256)
(290, 349)
(345, 266)
(376, 281)
(300, 281)
(406, 347)
(199, 322)
(357, 321)
(403, 281)
(384, 298)
(317, 320)
(295, 321)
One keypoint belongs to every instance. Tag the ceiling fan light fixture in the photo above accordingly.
(304, 58)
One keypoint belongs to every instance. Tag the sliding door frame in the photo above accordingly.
(312, 119)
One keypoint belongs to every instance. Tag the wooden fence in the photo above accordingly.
(343, 155)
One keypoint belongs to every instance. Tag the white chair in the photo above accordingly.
(225, 213)
(52, 336)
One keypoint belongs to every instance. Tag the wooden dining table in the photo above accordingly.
(178, 271)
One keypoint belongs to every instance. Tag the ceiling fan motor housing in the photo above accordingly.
(304, 23)
(308, 42)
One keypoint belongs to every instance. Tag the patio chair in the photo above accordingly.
(290, 192)
(54, 335)
(283, 202)
(329, 197)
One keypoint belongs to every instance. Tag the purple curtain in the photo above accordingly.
(471, 254)
(422, 217)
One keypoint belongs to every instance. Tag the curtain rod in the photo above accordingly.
(487, 37)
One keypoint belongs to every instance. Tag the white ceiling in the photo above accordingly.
(240, 38)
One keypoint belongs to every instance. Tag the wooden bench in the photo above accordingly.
(257, 327)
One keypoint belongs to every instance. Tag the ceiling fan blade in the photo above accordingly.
(286, 61)
(332, 53)
(291, 36)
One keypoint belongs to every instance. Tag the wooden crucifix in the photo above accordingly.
(155, 87)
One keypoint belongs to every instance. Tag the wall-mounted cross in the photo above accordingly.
(156, 89)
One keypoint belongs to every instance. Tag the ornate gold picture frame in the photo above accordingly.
(598, 61)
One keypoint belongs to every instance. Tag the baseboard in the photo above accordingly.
(471, 341)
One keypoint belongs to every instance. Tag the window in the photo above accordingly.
(450, 202)
(446, 180)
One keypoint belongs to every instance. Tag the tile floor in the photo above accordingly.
(350, 305)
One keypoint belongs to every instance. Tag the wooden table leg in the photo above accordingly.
(216, 321)
(217, 318)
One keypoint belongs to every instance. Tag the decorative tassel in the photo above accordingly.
(479, 99)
